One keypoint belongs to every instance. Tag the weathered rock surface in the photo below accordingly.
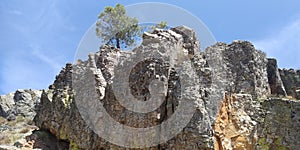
(236, 127)
(63, 119)
(291, 82)
(236, 68)
(280, 125)
(13, 132)
(17, 111)
(22, 102)
(276, 85)
(230, 96)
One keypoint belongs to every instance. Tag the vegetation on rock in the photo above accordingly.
(115, 27)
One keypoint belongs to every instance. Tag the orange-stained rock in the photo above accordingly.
(234, 129)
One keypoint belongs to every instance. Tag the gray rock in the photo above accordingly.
(11, 117)
(236, 70)
(280, 125)
(22, 95)
(291, 81)
(58, 112)
(19, 144)
(6, 104)
(22, 102)
(274, 78)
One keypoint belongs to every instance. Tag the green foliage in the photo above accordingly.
(161, 25)
(114, 27)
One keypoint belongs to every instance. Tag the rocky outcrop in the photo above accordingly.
(236, 68)
(230, 122)
(16, 113)
(221, 98)
(291, 82)
(58, 111)
(22, 102)
(276, 85)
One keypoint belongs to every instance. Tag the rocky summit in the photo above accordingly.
(228, 96)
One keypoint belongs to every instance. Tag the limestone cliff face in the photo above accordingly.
(230, 95)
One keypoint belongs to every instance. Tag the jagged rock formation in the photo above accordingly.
(228, 87)
(237, 68)
(22, 102)
(291, 81)
(63, 118)
(276, 85)
(235, 126)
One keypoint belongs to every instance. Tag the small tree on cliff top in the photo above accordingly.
(114, 27)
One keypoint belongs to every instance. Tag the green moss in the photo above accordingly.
(261, 140)
(62, 134)
(279, 144)
(282, 148)
(73, 146)
(262, 144)
(261, 99)
(277, 141)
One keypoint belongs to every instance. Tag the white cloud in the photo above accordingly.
(50, 61)
(36, 60)
(283, 44)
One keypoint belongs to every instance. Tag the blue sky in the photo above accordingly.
(37, 37)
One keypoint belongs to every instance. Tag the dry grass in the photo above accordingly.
(18, 128)
(20, 119)
(10, 138)
(24, 130)
(2, 120)
(5, 140)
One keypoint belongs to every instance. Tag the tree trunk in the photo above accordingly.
(118, 42)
